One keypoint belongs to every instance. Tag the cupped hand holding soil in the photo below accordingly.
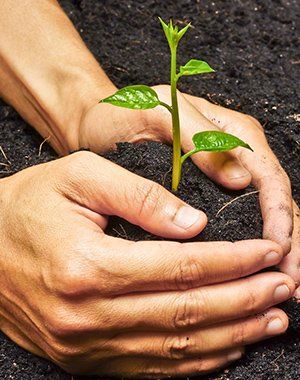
(234, 170)
(103, 305)
(98, 304)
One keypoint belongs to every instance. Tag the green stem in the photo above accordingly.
(188, 154)
(176, 174)
(166, 106)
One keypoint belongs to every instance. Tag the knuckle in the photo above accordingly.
(82, 157)
(77, 162)
(78, 280)
(187, 310)
(74, 174)
(238, 334)
(251, 302)
(65, 354)
(61, 324)
(148, 196)
(188, 272)
(237, 263)
(177, 348)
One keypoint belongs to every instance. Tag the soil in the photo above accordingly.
(253, 46)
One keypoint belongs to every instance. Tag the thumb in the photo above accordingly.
(108, 189)
(224, 168)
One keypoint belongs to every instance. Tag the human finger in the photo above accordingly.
(201, 306)
(162, 266)
(291, 263)
(203, 341)
(267, 174)
(86, 179)
(163, 368)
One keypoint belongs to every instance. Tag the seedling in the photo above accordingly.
(143, 97)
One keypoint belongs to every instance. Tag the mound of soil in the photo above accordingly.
(253, 46)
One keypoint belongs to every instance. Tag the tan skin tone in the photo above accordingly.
(101, 305)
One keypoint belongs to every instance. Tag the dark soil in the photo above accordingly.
(253, 46)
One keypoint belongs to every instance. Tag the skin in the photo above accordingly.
(235, 169)
(101, 305)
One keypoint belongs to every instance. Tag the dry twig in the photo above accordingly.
(4, 155)
(41, 145)
(235, 199)
(278, 357)
(122, 235)
(275, 360)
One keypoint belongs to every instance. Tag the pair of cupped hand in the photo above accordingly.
(103, 305)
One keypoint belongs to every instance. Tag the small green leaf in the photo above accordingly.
(182, 32)
(166, 29)
(173, 34)
(138, 97)
(194, 66)
(217, 141)
(214, 141)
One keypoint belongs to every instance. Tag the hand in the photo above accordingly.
(103, 305)
(58, 96)
(104, 125)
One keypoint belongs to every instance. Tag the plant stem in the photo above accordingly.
(176, 173)
(166, 106)
(187, 155)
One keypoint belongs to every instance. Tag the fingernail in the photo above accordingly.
(275, 326)
(272, 258)
(234, 355)
(186, 216)
(234, 170)
(281, 293)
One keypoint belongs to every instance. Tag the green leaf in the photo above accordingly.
(214, 141)
(138, 97)
(194, 66)
(166, 29)
(173, 34)
(217, 141)
(182, 32)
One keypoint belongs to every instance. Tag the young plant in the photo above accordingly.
(143, 97)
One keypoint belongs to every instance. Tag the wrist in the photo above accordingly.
(78, 91)
(49, 77)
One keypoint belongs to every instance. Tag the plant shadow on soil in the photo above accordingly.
(252, 44)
